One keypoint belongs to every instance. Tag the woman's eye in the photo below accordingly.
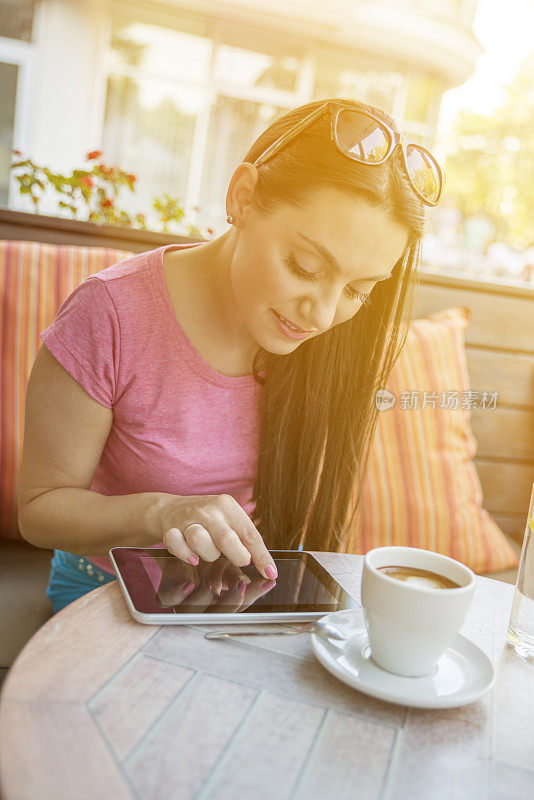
(311, 276)
(363, 297)
(294, 267)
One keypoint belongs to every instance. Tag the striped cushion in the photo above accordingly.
(422, 488)
(35, 279)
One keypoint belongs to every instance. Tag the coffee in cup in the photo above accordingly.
(414, 603)
(420, 577)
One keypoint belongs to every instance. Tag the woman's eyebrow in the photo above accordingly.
(325, 252)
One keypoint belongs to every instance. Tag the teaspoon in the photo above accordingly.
(317, 627)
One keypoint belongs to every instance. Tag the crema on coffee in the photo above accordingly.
(419, 577)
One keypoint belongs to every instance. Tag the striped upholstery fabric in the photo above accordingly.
(422, 488)
(35, 279)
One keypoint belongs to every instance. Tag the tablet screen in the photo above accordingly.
(160, 583)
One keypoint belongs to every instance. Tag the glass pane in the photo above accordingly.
(16, 19)
(148, 130)
(241, 64)
(170, 53)
(8, 94)
(234, 125)
(338, 77)
(153, 102)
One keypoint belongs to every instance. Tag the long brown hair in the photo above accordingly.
(318, 413)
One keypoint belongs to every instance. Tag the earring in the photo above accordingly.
(230, 219)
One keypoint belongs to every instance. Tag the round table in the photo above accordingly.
(97, 704)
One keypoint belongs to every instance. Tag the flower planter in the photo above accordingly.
(24, 226)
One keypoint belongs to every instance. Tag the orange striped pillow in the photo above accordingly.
(35, 279)
(422, 488)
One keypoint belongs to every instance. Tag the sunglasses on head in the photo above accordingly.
(362, 137)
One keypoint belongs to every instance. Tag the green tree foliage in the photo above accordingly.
(490, 163)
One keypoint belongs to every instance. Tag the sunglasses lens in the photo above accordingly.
(424, 173)
(361, 137)
(365, 140)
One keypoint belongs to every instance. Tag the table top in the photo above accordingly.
(97, 703)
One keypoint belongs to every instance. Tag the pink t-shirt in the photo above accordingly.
(179, 426)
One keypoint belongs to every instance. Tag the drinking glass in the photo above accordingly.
(521, 625)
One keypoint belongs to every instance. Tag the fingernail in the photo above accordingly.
(189, 587)
(193, 560)
(271, 572)
(242, 586)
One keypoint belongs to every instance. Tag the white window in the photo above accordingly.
(188, 95)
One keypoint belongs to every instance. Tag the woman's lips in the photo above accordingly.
(289, 332)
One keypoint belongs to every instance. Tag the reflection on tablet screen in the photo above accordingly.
(221, 587)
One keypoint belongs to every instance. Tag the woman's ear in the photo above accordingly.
(240, 190)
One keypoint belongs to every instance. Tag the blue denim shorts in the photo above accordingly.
(71, 577)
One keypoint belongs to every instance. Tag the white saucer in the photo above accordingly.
(462, 675)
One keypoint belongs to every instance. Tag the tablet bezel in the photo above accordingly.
(134, 569)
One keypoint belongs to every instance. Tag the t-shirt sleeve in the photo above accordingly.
(85, 338)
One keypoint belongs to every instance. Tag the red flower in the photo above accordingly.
(107, 203)
(17, 152)
(94, 154)
(86, 180)
(132, 178)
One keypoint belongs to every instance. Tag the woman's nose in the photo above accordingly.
(324, 309)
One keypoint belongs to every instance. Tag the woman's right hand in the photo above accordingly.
(219, 526)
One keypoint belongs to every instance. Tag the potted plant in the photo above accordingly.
(90, 196)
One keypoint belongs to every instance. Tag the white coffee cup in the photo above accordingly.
(411, 625)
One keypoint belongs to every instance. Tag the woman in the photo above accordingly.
(227, 398)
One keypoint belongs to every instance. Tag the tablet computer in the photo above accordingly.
(161, 589)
